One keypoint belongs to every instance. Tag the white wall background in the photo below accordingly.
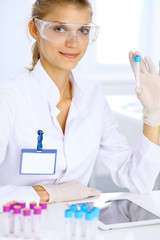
(15, 43)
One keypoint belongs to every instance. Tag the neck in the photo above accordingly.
(61, 78)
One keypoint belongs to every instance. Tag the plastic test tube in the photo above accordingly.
(17, 220)
(84, 209)
(32, 205)
(78, 224)
(37, 222)
(23, 205)
(12, 204)
(27, 223)
(89, 226)
(6, 220)
(44, 212)
(137, 73)
(68, 223)
(73, 208)
(96, 213)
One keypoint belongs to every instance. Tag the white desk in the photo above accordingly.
(56, 222)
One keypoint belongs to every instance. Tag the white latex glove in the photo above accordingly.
(69, 191)
(149, 91)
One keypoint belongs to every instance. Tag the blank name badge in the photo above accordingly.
(34, 162)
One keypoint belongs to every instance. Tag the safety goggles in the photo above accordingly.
(60, 33)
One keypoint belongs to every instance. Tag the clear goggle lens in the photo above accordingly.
(61, 33)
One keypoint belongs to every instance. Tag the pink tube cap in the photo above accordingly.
(26, 212)
(37, 210)
(43, 205)
(17, 209)
(6, 208)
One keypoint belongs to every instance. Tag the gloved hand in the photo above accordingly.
(69, 191)
(149, 91)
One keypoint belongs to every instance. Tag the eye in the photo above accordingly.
(84, 31)
(59, 29)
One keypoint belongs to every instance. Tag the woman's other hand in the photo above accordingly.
(44, 196)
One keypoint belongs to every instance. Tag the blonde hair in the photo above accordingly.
(41, 8)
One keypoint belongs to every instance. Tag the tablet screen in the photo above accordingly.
(123, 213)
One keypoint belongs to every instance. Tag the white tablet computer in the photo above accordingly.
(121, 214)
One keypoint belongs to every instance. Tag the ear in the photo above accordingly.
(33, 30)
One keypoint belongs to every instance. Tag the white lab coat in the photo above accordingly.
(28, 103)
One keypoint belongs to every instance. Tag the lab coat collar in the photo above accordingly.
(49, 89)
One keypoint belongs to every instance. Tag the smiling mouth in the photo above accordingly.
(69, 55)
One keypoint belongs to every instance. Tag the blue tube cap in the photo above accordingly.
(137, 58)
(84, 208)
(73, 207)
(89, 216)
(68, 213)
(78, 214)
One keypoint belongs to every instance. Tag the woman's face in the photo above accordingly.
(64, 55)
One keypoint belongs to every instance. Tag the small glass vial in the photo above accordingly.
(137, 71)
(44, 212)
(89, 226)
(23, 205)
(32, 205)
(12, 204)
(73, 208)
(84, 209)
(68, 224)
(17, 220)
(78, 224)
(37, 220)
(27, 223)
(6, 220)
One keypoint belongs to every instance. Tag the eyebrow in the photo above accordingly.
(67, 23)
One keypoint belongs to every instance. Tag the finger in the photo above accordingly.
(131, 56)
(92, 192)
(159, 69)
(151, 66)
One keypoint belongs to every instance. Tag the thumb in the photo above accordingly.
(92, 192)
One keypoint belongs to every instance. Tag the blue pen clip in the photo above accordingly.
(39, 140)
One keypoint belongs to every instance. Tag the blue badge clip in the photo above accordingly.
(39, 140)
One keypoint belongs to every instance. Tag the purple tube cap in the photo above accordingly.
(17, 209)
(26, 212)
(32, 205)
(6, 208)
(37, 210)
(22, 204)
(43, 205)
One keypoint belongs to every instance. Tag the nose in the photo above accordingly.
(73, 41)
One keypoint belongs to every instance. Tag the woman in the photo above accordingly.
(74, 115)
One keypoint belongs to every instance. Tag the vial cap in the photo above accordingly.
(22, 204)
(137, 58)
(78, 214)
(26, 212)
(32, 205)
(84, 208)
(37, 210)
(14, 203)
(17, 209)
(43, 205)
(96, 211)
(6, 208)
(89, 216)
(73, 207)
(68, 213)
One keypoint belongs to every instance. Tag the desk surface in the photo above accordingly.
(55, 219)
